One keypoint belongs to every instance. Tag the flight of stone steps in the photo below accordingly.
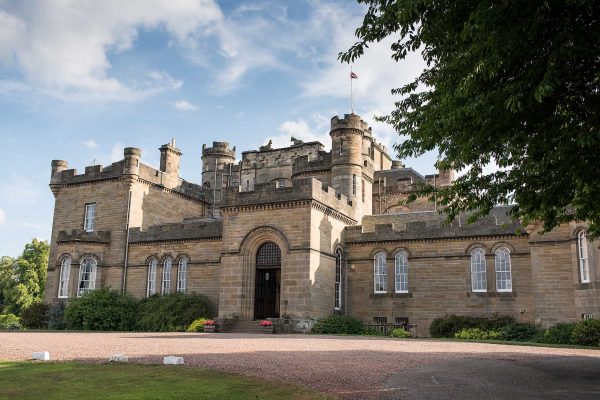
(245, 327)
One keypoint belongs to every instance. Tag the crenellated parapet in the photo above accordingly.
(82, 236)
(350, 121)
(306, 165)
(184, 231)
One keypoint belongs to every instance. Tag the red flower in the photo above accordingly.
(266, 323)
(209, 322)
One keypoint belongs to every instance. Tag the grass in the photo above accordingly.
(68, 380)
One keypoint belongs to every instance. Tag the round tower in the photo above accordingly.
(131, 167)
(347, 159)
(215, 159)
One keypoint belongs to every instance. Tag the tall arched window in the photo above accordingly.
(478, 271)
(582, 253)
(87, 276)
(166, 276)
(401, 267)
(151, 287)
(182, 275)
(380, 273)
(63, 283)
(503, 270)
(338, 280)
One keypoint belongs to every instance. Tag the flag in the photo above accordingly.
(353, 75)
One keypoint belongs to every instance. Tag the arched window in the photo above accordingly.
(401, 267)
(87, 276)
(380, 273)
(166, 276)
(341, 146)
(478, 271)
(503, 270)
(63, 283)
(151, 287)
(354, 184)
(582, 253)
(182, 275)
(338, 280)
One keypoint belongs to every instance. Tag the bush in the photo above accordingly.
(400, 333)
(10, 321)
(478, 334)
(35, 316)
(586, 333)
(197, 325)
(338, 324)
(519, 332)
(171, 312)
(449, 325)
(102, 310)
(370, 331)
(56, 315)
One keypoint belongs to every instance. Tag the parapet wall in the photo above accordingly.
(92, 173)
(350, 121)
(305, 164)
(187, 230)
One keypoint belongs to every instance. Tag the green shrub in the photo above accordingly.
(449, 325)
(586, 333)
(197, 325)
(35, 316)
(478, 334)
(102, 310)
(559, 334)
(369, 331)
(400, 333)
(10, 321)
(518, 332)
(56, 315)
(338, 324)
(171, 312)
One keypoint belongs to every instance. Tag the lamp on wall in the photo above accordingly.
(267, 276)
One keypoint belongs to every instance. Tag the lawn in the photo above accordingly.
(64, 381)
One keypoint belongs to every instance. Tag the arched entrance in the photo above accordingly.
(268, 279)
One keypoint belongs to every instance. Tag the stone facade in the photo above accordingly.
(297, 233)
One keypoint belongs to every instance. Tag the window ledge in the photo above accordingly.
(587, 285)
(492, 294)
(391, 295)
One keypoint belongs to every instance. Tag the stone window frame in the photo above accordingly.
(87, 279)
(63, 281)
(338, 280)
(583, 262)
(503, 270)
(354, 184)
(167, 273)
(481, 272)
(380, 272)
(182, 260)
(399, 274)
(152, 263)
(89, 219)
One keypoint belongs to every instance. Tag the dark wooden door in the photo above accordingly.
(266, 297)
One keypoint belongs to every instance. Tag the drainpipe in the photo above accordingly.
(123, 285)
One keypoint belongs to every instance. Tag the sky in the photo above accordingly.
(79, 81)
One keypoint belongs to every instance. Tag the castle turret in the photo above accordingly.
(131, 167)
(169, 164)
(57, 167)
(216, 165)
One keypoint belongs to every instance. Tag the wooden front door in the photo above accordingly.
(268, 279)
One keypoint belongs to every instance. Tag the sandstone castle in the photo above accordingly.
(301, 233)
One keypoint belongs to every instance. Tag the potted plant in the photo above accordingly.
(267, 326)
(210, 326)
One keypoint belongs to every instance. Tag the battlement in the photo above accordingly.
(303, 189)
(350, 121)
(187, 230)
(431, 225)
(92, 173)
(305, 164)
(218, 149)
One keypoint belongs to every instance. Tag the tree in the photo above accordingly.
(511, 82)
(22, 281)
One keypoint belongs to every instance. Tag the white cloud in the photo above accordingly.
(90, 144)
(183, 105)
(62, 48)
(116, 153)
(2, 217)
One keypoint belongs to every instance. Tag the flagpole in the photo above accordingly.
(351, 97)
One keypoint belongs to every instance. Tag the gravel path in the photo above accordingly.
(349, 367)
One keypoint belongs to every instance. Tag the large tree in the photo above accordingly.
(516, 83)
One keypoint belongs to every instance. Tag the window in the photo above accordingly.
(151, 288)
(90, 217)
(478, 274)
(354, 184)
(380, 273)
(582, 252)
(182, 275)
(341, 146)
(401, 272)
(87, 276)
(63, 283)
(338, 280)
(363, 190)
(503, 273)
(380, 320)
(585, 317)
(166, 276)
(280, 184)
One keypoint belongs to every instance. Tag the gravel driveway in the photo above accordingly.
(348, 367)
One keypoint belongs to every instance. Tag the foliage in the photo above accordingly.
(449, 325)
(515, 83)
(35, 316)
(10, 321)
(338, 324)
(71, 381)
(478, 334)
(23, 281)
(197, 325)
(519, 332)
(102, 310)
(400, 333)
(559, 334)
(56, 315)
(586, 333)
(370, 331)
(171, 312)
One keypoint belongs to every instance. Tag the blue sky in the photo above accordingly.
(79, 81)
